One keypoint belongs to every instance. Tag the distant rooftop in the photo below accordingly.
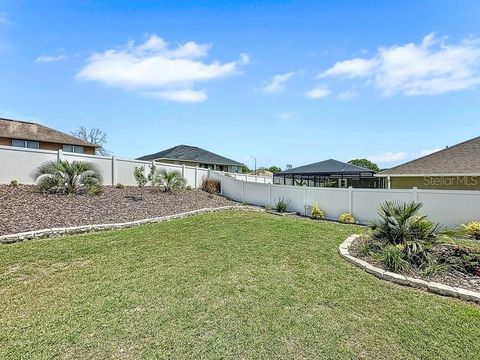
(25, 130)
(330, 166)
(191, 153)
(463, 158)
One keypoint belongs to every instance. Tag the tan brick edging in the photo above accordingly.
(431, 286)
(57, 232)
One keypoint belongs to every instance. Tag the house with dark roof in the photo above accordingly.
(35, 136)
(328, 173)
(453, 168)
(195, 156)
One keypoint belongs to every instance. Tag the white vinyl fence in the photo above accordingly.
(19, 164)
(448, 207)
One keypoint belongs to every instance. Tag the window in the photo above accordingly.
(26, 144)
(73, 148)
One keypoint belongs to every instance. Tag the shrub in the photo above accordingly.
(67, 177)
(317, 213)
(188, 187)
(168, 180)
(14, 183)
(460, 258)
(472, 229)
(281, 205)
(140, 178)
(400, 222)
(393, 258)
(95, 190)
(347, 218)
(211, 186)
(120, 186)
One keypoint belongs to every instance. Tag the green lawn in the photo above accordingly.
(226, 285)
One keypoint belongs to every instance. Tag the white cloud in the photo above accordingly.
(278, 83)
(351, 68)
(155, 69)
(428, 151)
(49, 59)
(318, 93)
(388, 157)
(185, 95)
(429, 68)
(346, 95)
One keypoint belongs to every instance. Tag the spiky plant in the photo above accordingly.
(67, 177)
(401, 223)
(168, 180)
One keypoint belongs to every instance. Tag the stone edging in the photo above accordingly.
(431, 286)
(57, 232)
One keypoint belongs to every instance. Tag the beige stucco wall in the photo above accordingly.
(436, 182)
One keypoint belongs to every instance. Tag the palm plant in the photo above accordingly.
(400, 223)
(67, 177)
(168, 180)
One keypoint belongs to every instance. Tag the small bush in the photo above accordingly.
(140, 178)
(281, 205)
(211, 186)
(188, 187)
(347, 218)
(14, 183)
(120, 186)
(393, 258)
(95, 189)
(317, 213)
(472, 229)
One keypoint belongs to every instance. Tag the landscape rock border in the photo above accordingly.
(434, 287)
(62, 231)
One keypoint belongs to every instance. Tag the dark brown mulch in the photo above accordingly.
(22, 208)
(452, 277)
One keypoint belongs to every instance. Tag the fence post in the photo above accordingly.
(183, 171)
(415, 194)
(350, 199)
(196, 177)
(304, 200)
(60, 155)
(243, 191)
(270, 195)
(114, 171)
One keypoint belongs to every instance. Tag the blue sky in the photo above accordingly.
(285, 81)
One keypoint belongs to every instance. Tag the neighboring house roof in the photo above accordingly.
(191, 153)
(261, 172)
(24, 130)
(463, 158)
(330, 166)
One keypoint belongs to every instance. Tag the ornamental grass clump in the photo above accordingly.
(211, 186)
(347, 218)
(316, 212)
(282, 205)
(64, 177)
(168, 180)
(472, 230)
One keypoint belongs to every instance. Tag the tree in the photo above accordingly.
(68, 177)
(93, 136)
(288, 166)
(274, 169)
(245, 169)
(365, 163)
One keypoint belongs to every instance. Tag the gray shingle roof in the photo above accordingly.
(463, 158)
(330, 166)
(24, 130)
(191, 153)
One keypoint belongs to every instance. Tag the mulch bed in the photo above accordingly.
(23, 208)
(452, 277)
